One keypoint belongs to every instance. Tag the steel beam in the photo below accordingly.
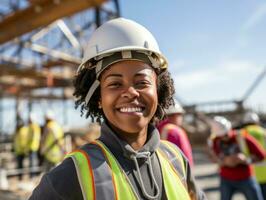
(39, 14)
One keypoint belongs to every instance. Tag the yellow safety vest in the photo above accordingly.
(21, 141)
(172, 180)
(54, 139)
(34, 136)
(259, 134)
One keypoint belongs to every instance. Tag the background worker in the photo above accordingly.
(230, 148)
(123, 81)
(21, 147)
(251, 126)
(34, 141)
(171, 129)
(52, 142)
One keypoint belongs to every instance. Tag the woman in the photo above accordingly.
(122, 82)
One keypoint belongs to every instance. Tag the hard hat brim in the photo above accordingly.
(163, 63)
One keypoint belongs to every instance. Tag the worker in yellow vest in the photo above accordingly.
(21, 147)
(251, 125)
(33, 142)
(52, 142)
(123, 82)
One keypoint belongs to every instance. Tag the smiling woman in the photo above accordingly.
(124, 84)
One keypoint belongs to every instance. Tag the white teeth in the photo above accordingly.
(125, 110)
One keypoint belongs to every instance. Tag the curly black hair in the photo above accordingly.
(85, 78)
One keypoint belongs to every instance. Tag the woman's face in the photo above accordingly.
(129, 95)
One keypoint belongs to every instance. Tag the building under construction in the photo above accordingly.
(41, 46)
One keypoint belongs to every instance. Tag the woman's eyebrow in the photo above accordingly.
(112, 75)
(143, 73)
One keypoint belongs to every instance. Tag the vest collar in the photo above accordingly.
(111, 140)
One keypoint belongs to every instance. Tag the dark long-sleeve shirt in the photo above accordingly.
(62, 182)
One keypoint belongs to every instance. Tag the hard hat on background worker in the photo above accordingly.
(251, 118)
(175, 109)
(116, 40)
(220, 126)
(33, 117)
(49, 115)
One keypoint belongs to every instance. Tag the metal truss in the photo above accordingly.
(42, 41)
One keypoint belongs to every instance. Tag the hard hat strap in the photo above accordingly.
(91, 91)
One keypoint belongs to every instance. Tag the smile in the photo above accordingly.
(131, 109)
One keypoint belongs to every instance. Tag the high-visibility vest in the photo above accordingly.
(259, 134)
(101, 176)
(21, 141)
(34, 136)
(53, 142)
(240, 138)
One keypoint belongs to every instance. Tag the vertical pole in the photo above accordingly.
(117, 7)
(98, 16)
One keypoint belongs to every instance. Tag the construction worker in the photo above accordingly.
(52, 142)
(21, 147)
(230, 148)
(33, 142)
(251, 125)
(171, 129)
(123, 82)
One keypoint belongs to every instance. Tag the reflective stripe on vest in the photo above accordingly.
(174, 187)
(121, 186)
(176, 159)
(240, 137)
(84, 173)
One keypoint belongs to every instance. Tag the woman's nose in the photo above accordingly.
(130, 92)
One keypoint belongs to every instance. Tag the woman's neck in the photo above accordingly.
(135, 140)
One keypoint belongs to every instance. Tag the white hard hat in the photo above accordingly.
(33, 117)
(49, 114)
(251, 117)
(220, 126)
(120, 39)
(174, 109)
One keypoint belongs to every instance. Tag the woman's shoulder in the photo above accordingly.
(60, 183)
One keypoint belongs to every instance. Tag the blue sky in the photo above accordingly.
(215, 48)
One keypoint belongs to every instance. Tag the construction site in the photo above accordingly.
(42, 44)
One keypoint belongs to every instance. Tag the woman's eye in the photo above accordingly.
(142, 83)
(115, 84)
